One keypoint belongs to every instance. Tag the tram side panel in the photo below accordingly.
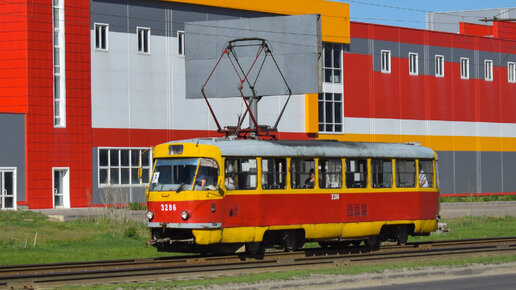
(320, 212)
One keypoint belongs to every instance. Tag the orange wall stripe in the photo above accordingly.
(438, 143)
(334, 15)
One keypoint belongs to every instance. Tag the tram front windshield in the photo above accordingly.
(178, 174)
(174, 174)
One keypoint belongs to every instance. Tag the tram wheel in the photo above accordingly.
(402, 235)
(372, 242)
(255, 248)
(290, 241)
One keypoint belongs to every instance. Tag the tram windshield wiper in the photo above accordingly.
(180, 188)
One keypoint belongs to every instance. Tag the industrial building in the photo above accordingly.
(87, 87)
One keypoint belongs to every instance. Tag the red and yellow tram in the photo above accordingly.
(218, 194)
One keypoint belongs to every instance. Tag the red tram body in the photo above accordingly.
(209, 195)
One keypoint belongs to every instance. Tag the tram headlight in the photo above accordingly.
(150, 215)
(184, 215)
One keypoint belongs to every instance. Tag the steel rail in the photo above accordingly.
(95, 272)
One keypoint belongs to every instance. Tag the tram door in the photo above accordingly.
(61, 188)
(7, 189)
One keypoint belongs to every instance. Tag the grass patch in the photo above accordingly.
(112, 237)
(473, 228)
(28, 237)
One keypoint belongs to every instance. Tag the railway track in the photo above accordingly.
(172, 268)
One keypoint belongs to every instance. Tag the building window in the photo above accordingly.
(101, 36)
(464, 68)
(439, 66)
(511, 71)
(143, 39)
(181, 43)
(119, 166)
(330, 112)
(386, 61)
(488, 70)
(413, 64)
(59, 64)
(332, 63)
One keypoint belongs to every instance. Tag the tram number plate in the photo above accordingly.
(334, 196)
(168, 207)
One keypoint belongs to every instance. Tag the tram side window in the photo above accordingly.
(356, 173)
(426, 173)
(330, 173)
(381, 171)
(302, 173)
(406, 173)
(241, 173)
(274, 173)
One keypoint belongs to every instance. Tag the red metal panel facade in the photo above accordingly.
(369, 93)
(47, 146)
(13, 59)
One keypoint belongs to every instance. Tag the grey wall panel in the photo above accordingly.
(477, 172)
(182, 13)
(446, 173)
(466, 172)
(359, 46)
(12, 153)
(509, 171)
(124, 15)
(491, 171)
(147, 15)
(112, 12)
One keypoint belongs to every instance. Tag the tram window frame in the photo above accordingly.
(300, 172)
(426, 167)
(330, 173)
(274, 173)
(250, 173)
(406, 173)
(356, 178)
(379, 174)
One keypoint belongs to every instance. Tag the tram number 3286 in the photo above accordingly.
(168, 207)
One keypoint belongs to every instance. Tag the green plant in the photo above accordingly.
(137, 206)
(131, 232)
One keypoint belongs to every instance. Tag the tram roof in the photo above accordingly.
(317, 148)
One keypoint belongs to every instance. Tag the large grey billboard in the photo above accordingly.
(295, 42)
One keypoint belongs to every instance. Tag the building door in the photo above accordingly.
(61, 186)
(7, 189)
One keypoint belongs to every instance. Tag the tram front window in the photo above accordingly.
(174, 174)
